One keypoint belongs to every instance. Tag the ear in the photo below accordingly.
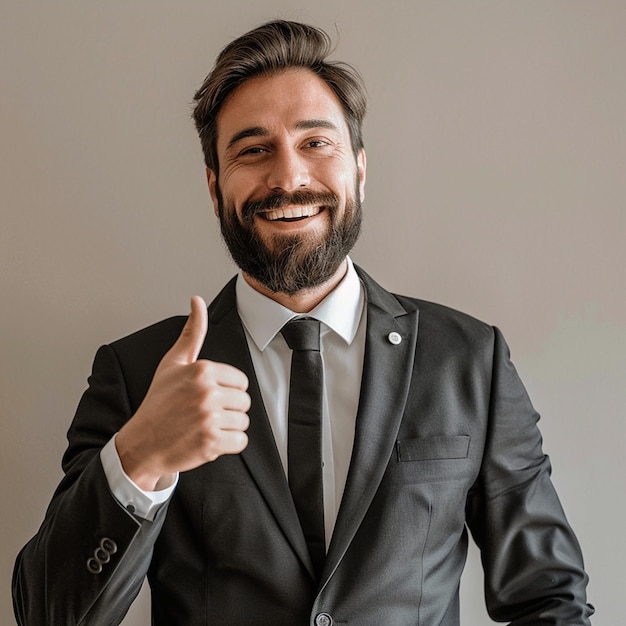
(361, 167)
(211, 179)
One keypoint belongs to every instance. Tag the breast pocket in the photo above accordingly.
(436, 459)
(431, 448)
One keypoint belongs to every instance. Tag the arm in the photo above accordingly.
(171, 413)
(533, 564)
(53, 583)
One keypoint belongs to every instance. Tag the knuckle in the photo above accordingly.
(210, 399)
(245, 422)
(200, 371)
(210, 432)
(247, 402)
(243, 381)
(242, 441)
(209, 444)
(210, 456)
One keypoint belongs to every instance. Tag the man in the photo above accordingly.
(183, 463)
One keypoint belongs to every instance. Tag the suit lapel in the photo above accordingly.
(385, 382)
(226, 343)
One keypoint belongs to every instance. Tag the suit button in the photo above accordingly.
(323, 619)
(94, 566)
(101, 555)
(108, 545)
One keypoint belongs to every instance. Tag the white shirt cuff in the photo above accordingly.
(142, 503)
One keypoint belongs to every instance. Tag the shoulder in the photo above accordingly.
(451, 333)
(153, 341)
(436, 314)
(144, 348)
(132, 360)
(160, 334)
(438, 320)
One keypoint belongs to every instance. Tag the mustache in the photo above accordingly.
(282, 199)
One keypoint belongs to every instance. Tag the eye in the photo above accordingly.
(317, 143)
(252, 150)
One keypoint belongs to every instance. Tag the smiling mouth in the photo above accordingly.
(291, 214)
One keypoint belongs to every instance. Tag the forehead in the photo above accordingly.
(279, 101)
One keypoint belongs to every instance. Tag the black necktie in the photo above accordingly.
(305, 433)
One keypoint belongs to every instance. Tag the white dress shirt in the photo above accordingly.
(343, 317)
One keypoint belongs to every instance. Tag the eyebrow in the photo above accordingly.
(310, 124)
(260, 131)
(254, 131)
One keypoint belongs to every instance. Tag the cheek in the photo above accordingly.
(240, 186)
(337, 177)
(231, 193)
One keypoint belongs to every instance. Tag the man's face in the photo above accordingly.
(290, 188)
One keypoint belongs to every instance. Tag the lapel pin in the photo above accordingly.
(394, 338)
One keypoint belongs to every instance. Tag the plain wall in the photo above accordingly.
(496, 185)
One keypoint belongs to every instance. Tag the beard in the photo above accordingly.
(297, 262)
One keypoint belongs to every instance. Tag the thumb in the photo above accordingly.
(188, 345)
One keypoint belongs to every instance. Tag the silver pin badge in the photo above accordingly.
(394, 338)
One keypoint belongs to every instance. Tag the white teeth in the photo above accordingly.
(292, 212)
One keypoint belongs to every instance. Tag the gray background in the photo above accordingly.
(496, 149)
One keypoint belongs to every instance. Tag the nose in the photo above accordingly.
(289, 171)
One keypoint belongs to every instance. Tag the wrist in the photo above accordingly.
(137, 467)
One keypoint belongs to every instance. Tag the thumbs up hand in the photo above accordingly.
(194, 411)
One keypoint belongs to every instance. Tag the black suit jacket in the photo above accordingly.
(446, 440)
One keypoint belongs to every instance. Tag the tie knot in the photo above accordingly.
(302, 334)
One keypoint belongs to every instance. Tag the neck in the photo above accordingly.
(305, 300)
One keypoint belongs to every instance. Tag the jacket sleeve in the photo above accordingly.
(533, 564)
(88, 560)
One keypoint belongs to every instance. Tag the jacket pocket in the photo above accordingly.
(431, 448)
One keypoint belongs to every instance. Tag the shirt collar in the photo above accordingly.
(341, 310)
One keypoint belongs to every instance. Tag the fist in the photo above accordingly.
(194, 411)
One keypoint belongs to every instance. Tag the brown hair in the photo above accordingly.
(268, 49)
